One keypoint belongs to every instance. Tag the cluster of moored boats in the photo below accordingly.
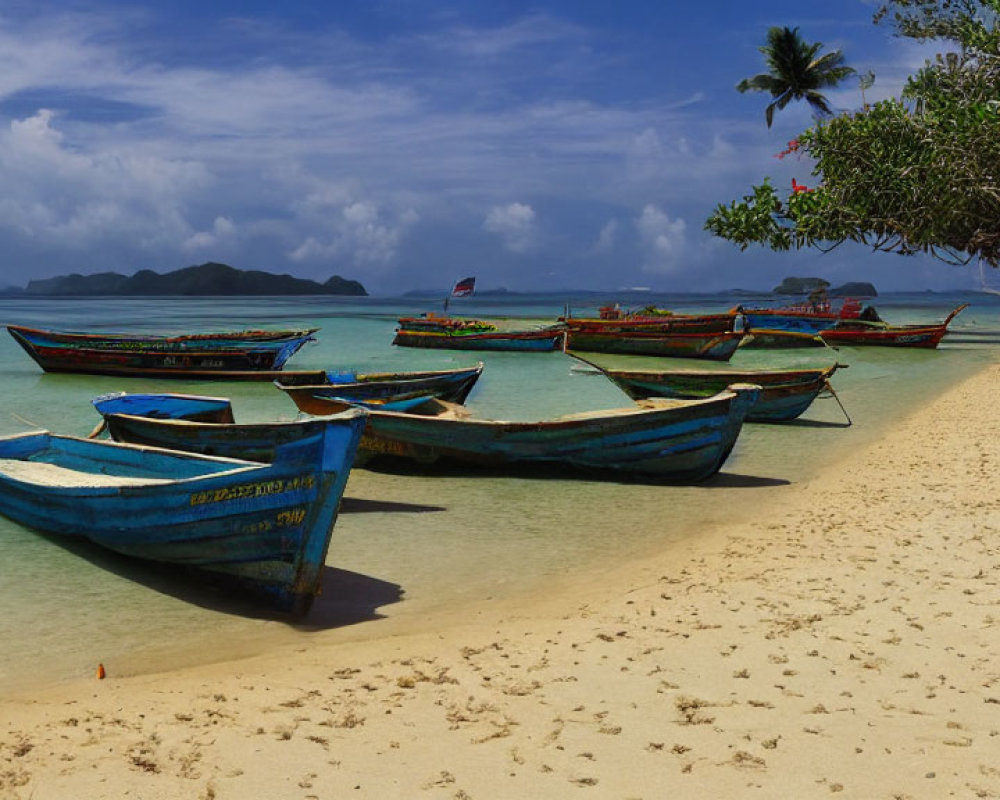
(181, 481)
(653, 332)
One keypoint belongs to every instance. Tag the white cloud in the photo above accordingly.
(63, 195)
(358, 232)
(663, 241)
(606, 238)
(515, 224)
(532, 31)
(223, 234)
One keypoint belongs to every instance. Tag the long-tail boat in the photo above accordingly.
(248, 355)
(615, 319)
(708, 336)
(451, 333)
(711, 346)
(808, 317)
(266, 527)
(785, 393)
(798, 324)
(668, 440)
(861, 333)
(312, 392)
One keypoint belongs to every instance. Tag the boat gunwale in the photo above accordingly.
(239, 466)
(272, 336)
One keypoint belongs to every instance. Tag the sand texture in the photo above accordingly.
(843, 641)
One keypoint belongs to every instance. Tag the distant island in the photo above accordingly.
(803, 286)
(205, 279)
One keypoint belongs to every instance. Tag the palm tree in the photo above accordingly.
(796, 72)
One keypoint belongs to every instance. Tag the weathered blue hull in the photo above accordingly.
(784, 396)
(259, 441)
(399, 391)
(668, 440)
(166, 406)
(788, 323)
(266, 527)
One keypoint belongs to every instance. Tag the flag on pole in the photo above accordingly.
(464, 288)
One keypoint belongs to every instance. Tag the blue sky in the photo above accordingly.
(405, 143)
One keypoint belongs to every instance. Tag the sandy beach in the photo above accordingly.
(844, 640)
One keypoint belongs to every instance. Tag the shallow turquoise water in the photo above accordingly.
(407, 548)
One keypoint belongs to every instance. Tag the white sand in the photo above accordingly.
(844, 641)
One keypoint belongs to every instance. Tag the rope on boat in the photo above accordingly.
(99, 429)
(847, 416)
(27, 422)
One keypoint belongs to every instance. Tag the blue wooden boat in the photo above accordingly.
(266, 527)
(668, 440)
(246, 355)
(194, 407)
(799, 324)
(785, 393)
(325, 392)
(184, 422)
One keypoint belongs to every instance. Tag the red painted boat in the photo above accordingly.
(860, 333)
(453, 333)
(249, 355)
(708, 336)
(612, 322)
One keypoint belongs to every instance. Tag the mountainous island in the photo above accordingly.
(204, 279)
(809, 285)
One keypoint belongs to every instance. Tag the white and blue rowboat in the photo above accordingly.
(266, 527)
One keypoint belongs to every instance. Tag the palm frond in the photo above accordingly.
(818, 103)
(796, 71)
(761, 83)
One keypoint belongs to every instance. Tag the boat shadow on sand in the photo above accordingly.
(359, 505)
(815, 423)
(388, 465)
(347, 598)
(732, 480)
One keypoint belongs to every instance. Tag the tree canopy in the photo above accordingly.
(795, 72)
(918, 173)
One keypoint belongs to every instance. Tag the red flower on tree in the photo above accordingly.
(793, 147)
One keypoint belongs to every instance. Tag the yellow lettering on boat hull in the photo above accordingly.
(259, 489)
(285, 519)
(389, 447)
